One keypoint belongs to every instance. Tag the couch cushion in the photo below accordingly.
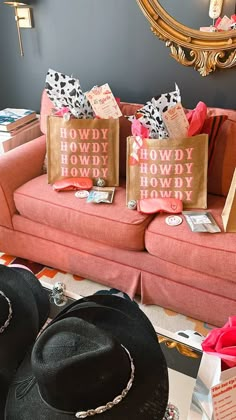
(214, 254)
(113, 224)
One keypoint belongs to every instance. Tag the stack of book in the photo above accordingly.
(17, 126)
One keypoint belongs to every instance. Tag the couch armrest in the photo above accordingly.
(18, 166)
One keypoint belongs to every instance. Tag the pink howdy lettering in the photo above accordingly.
(165, 169)
(95, 160)
(84, 147)
(63, 133)
(178, 169)
(104, 133)
(178, 182)
(64, 146)
(189, 153)
(189, 181)
(143, 181)
(84, 160)
(165, 194)
(144, 194)
(153, 169)
(165, 154)
(188, 195)
(143, 154)
(153, 194)
(95, 172)
(73, 160)
(189, 167)
(104, 147)
(95, 147)
(104, 172)
(154, 182)
(74, 171)
(179, 154)
(104, 160)
(84, 171)
(64, 159)
(165, 182)
(64, 171)
(153, 154)
(84, 133)
(178, 194)
(72, 133)
(95, 134)
(73, 146)
(143, 168)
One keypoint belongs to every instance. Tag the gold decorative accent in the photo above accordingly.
(182, 349)
(205, 51)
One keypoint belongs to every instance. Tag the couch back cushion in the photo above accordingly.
(224, 157)
(231, 113)
(125, 131)
(46, 107)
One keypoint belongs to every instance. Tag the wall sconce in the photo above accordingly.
(22, 18)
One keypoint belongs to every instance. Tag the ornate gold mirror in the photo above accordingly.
(205, 51)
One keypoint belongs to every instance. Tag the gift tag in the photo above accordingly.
(223, 398)
(173, 220)
(82, 194)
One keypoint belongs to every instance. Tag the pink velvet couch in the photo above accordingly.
(193, 274)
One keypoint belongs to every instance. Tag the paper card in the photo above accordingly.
(103, 102)
(176, 121)
(208, 29)
(224, 399)
(224, 24)
(229, 210)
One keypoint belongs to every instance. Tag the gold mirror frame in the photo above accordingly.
(205, 51)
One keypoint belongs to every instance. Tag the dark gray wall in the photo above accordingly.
(98, 41)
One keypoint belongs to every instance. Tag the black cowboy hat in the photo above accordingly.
(125, 305)
(40, 294)
(93, 359)
(24, 308)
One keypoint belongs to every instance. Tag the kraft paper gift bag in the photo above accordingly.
(229, 210)
(168, 168)
(83, 148)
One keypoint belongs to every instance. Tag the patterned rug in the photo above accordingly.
(77, 286)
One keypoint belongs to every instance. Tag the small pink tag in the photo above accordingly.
(176, 121)
(103, 102)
